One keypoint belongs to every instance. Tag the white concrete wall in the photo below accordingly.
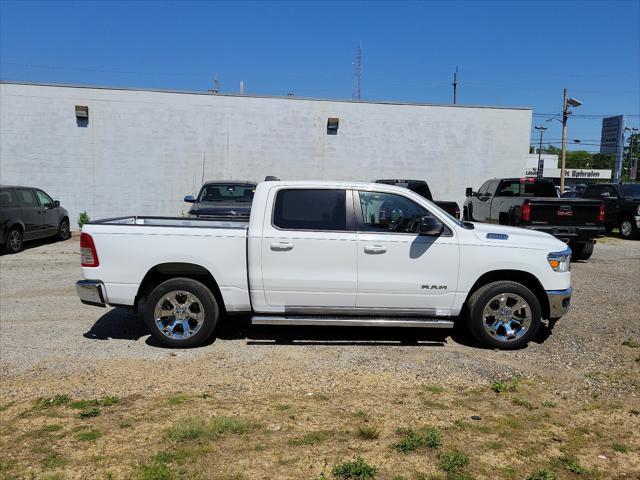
(142, 151)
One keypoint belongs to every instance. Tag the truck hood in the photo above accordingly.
(515, 236)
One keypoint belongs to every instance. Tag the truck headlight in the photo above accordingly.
(560, 261)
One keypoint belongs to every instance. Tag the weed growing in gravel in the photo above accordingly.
(548, 404)
(493, 445)
(51, 428)
(367, 433)
(43, 403)
(521, 402)
(177, 399)
(157, 470)
(434, 389)
(500, 386)
(5, 406)
(363, 415)
(283, 407)
(630, 342)
(88, 435)
(358, 469)
(53, 460)
(619, 447)
(83, 404)
(453, 462)
(412, 441)
(191, 428)
(570, 463)
(542, 474)
(89, 412)
(311, 438)
(187, 429)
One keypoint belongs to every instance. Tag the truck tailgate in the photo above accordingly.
(564, 211)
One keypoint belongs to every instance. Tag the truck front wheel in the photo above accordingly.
(181, 312)
(628, 229)
(504, 315)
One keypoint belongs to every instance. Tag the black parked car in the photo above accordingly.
(532, 203)
(223, 200)
(28, 213)
(621, 206)
(422, 188)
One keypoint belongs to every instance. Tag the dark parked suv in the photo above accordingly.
(28, 213)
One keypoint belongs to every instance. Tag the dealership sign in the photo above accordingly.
(577, 173)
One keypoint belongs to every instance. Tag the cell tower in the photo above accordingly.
(357, 71)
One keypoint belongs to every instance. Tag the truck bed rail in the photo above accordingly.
(152, 221)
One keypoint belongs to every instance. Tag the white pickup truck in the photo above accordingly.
(328, 253)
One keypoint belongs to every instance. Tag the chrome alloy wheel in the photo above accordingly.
(626, 228)
(507, 317)
(15, 241)
(179, 315)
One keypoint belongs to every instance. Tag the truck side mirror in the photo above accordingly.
(431, 227)
(468, 192)
(189, 199)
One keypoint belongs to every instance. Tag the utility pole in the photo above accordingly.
(567, 101)
(455, 85)
(564, 141)
(540, 162)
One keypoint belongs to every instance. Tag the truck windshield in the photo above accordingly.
(222, 192)
(631, 190)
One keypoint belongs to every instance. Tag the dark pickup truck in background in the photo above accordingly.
(223, 200)
(621, 206)
(533, 203)
(422, 188)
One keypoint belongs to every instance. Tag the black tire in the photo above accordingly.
(465, 213)
(64, 230)
(585, 252)
(485, 296)
(206, 304)
(628, 229)
(14, 241)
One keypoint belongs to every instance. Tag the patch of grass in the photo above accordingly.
(156, 471)
(521, 402)
(357, 469)
(89, 435)
(630, 342)
(548, 404)
(53, 460)
(363, 415)
(460, 423)
(192, 428)
(51, 428)
(493, 445)
(5, 406)
(57, 400)
(412, 441)
(453, 462)
(500, 386)
(177, 399)
(434, 389)
(109, 401)
(283, 407)
(221, 425)
(367, 433)
(570, 463)
(311, 438)
(619, 447)
(89, 413)
(542, 474)
(187, 429)
(83, 404)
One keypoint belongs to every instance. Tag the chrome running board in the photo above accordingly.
(351, 321)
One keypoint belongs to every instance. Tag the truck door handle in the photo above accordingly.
(375, 249)
(281, 246)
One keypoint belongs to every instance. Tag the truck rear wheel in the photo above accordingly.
(504, 315)
(181, 312)
(583, 251)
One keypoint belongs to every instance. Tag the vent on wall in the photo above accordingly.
(82, 115)
(332, 126)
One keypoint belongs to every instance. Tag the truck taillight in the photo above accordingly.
(525, 212)
(456, 212)
(88, 254)
(601, 214)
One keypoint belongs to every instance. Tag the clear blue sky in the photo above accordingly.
(509, 53)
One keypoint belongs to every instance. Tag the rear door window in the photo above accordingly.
(310, 209)
(7, 198)
(27, 198)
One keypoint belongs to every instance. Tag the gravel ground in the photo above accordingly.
(50, 342)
